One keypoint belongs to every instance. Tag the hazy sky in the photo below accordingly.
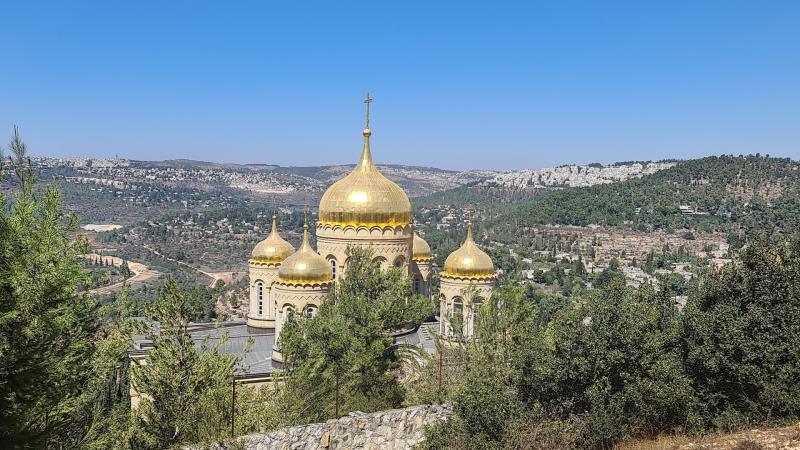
(456, 84)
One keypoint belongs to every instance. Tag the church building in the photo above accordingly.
(363, 209)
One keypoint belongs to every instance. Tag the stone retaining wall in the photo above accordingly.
(392, 429)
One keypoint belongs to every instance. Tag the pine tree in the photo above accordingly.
(183, 385)
(343, 359)
(45, 326)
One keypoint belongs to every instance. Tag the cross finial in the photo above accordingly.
(470, 212)
(367, 101)
(274, 217)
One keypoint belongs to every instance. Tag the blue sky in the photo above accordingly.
(456, 84)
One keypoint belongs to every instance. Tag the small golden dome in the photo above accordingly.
(305, 266)
(469, 261)
(273, 249)
(365, 197)
(420, 249)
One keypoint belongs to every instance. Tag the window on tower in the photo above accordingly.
(260, 296)
(310, 311)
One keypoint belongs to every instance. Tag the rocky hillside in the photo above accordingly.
(575, 176)
(722, 193)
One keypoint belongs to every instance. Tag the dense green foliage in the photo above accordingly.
(45, 351)
(614, 360)
(200, 302)
(742, 337)
(621, 362)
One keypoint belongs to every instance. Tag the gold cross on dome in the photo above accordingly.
(470, 211)
(367, 101)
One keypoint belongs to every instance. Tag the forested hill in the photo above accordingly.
(725, 193)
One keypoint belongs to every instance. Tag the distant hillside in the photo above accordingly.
(576, 176)
(497, 190)
(246, 178)
(716, 193)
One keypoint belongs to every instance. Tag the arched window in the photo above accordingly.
(333, 267)
(458, 305)
(417, 285)
(399, 261)
(457, 325)
(477, 303)
(380, 262)
(310, 311)
(260, 297)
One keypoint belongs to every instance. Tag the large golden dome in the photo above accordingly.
(273, 249)
(469, 261)
(365, 197)
(305, 266)
(420, 249)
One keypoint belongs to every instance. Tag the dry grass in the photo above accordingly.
(663, 442)
(753, 439)
(747, 444)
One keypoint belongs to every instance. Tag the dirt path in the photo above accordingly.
(227, 277)
(140, 271)
(143, 273)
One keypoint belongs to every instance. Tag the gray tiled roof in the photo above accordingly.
(253, 347)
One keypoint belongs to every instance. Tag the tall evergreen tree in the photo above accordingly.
(183, 385)
(344, 359)
(45, 325)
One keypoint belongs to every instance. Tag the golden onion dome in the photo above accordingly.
(420, 249)
(305, 266)
(469, 261)
(365, 197)
(273, 249)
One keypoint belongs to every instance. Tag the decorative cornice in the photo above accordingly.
(264, 263)
(383, 227)
(303, 283)
(450, 276)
